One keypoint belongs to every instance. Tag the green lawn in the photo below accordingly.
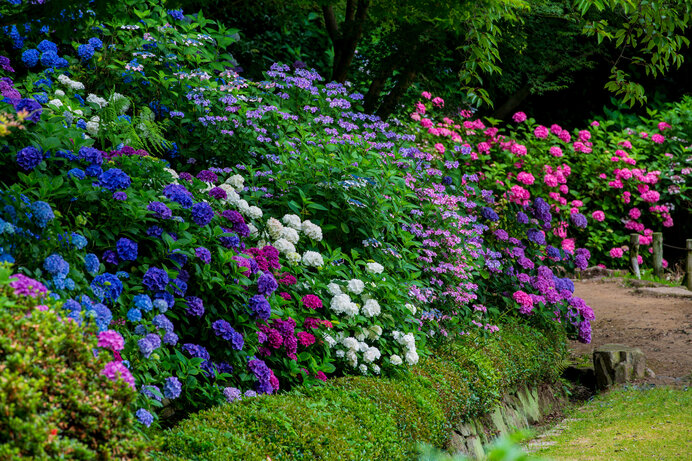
(627, 424)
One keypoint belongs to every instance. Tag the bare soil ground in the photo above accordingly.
(661, 326)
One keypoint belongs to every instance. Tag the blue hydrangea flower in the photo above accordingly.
(167, 298)
(143, 416)
(155, 279)
(114, 179)
(78, 241)
(95, 43)
(172, 388)
(85, 52)
(50, 59)
(29, 158)
(170, 338)
(140, 329)
(489, 214)
(81, 123)
(161, 305)
(56, 265)
(152, 391)
(32, 107)
(260, 307)
(30, 57)
(104, 316)
(127, 249)
(177, 14)
(91, 263)
(106, 287)
(134, 315)
(202, 213)
(47, 45)
(42, 213)
(94, 170)
(90, 154)
(178, 193)
(161, 321)
(143, 302)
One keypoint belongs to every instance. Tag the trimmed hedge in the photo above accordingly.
(374, 418)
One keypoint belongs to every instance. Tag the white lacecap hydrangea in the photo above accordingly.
(290, 234)
(313, 258)
(59, 93)
(284, 246)
(412, 357)
(293, 257)
(55, 102)
(355, 286)
(411, 308)
(371, 354)
(363, 368)
(274, 228)
(292, 221)
(312, 231)
(254, 212)
(334, 289)
(395, 360)
(371, 308)
(237, 181)
(374, 268)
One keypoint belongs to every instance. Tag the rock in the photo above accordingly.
(617, 364)
(650, 373)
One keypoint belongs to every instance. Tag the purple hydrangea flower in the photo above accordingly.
(155, 279)
(160, 210)
(161, 321)
(195, 306)
(232, 394)
(119, 196)
(223, 329)
(266, 284)
(143, 416)
(260, 307)
(127, 249)
(579, 220)
(149, 344)
(179, 194)
(172, 388)
(202, 213)
(29, 158)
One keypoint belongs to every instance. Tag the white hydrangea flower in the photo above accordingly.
(351, 310)
(411, 308)
(254, 232)
(374, 268)
(237, 181)
(363, 346)
(371, 308)
(363, 368)
(78, 112)
(274, 228)
(292, 221)
(312, 231)
(331, 342)
(375, 332)
(375, 369)
(55, 102)
(355, 286)
(412, 357)
(290, 234)
(395, 360)
(371, 354)
(313, 258)
(293, 257)
(340, 354)
(334, 289)
(92, 128)
(59, 93)
(350, 343)
(352, 358)
(284, 246)
(408, 341)
(172, 172)
(360, 336)
(340, 302)
(254, 212)
(231, 196)
(97, 100)
(243, 206)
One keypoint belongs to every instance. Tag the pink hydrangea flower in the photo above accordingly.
(550, 180)
(438, 102)
(662, 126)
(568, 245)
(426, 95)
(616, 253)
(426, 123)
(420, 107)
(555, 151)
(526, 178)
(595, 123)
(25, 286)
(415, 116)
(519, 117)
(111, 339)
(312, 302)
(541, 132)
(524, 300)
(598, 215)
(635, 213)
(518, 149)
(555, 129)
(658, 138)
(114, 370)
(440, 148)
(565, 136)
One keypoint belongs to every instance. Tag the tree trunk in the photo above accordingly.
(372, 97)
(512, 102)
(345, 41)
(392, 99)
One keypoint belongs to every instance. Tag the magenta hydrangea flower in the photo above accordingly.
(111, 339)
(519, 117)
(598, 215)
(312, 302)
(25, 286)
(616, 253)
(524, 300)
(116, 370)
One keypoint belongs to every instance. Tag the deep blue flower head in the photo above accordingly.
(177, 14)
(47, 45)
(62, 63)
(260, 307)
(43, 82)
(489, 214)
(95, 43)
(161, 321)
(119, 196)
(579, 220)
(154, 231)
(91, 155)
(163, 301)
(134, 315)
(196, 351)
(50, 59)
(179, 287)
(144, 417)
(114, 179)
(140, 329)
(195, 306)
(178, 193)
(106, 287)
(30, 57)
(91, 263)
(41, 98)
(104, 316)
(81, 123)
(94, 170)
(203, 254)
(42, 213)
(447, 180)
(229, 240)
(127, 249)
(172, 388)
(29, 158)
(179, 258)
(143, 302)
(266, 284)
(202, 213)
(553, 252)
(76, 173)
(56, 265)
(155, 279)
(85, 52)
(32, 106)
(160, 209)
(111, 257)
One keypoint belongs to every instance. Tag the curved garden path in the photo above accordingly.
(657, 321)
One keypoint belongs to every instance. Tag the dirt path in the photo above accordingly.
(660, 326)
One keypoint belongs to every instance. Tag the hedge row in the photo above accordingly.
(374, 418)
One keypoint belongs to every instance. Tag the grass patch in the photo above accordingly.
(630, 423)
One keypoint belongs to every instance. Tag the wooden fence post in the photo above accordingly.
(634, 252)
(689, 264)
(658, 254)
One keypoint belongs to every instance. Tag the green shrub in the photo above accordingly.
(374, 418)
(54, 402)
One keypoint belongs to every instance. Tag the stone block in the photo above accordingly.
(617, 364)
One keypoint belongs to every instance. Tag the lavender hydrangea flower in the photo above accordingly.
(203, 254)
(266, 284)
(579, 220)
(260, 307)
(160, 210)
(223, 329)
(172, 388)
(143, 416)
(149, 344)
(195, 306)
(155, 279)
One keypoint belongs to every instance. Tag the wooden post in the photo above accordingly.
(634, 252)
(689, 264)
(658, 254)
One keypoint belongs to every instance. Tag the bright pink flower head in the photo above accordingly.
(116, 370)
(616, 253)
(312, 302)
(519, 195)
(426, 95)
(625, 144)
(555, 151)
(305, 338)
(426, 123)
(550, 180)
(519, 117)
(526, 178)
(321, 376)
(541, 132)
(598, 215)
(438, 102)
(644, 134)
(565, 136)
(658, 138)
(524, 300)
(595, 123)
(651, 196)
(518, 149)
(635, 213)
(420, 107)
(626, 197)
(584, 135)
(483, 147)
(564, 189)
(568, 245)
(555, 129)
(440, 148)
(415, 116)
(111, 339)
(662, 126)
